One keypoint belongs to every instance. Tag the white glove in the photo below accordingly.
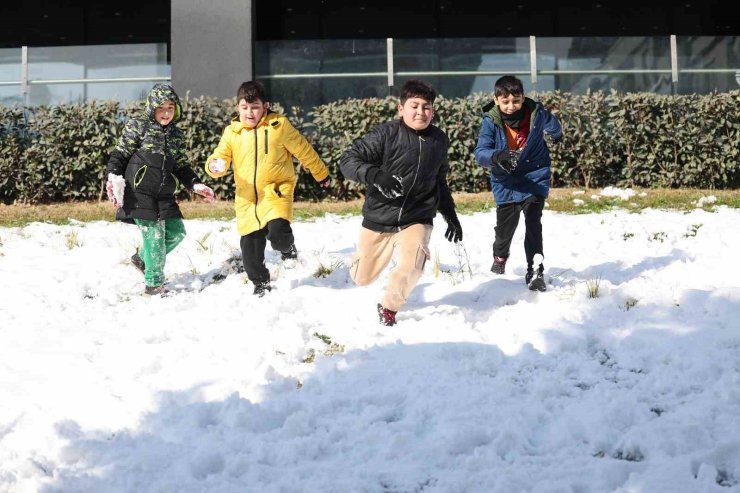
(114, 188)
(217, 165)
(205, 191)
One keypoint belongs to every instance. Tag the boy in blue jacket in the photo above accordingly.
(511, 144)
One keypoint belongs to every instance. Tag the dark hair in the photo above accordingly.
(508, 85)
(250, 92)
(417, 88)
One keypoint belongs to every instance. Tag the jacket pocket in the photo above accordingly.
(140, 175)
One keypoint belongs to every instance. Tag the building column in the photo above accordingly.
(211, 46)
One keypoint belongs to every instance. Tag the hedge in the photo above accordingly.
(58, 153)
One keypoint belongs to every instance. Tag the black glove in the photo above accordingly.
(506, 159)
(325, 187)
(454, 230)
(553, 140)
(389, 185)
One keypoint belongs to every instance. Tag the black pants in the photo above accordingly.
(253, 245)
(507, 219)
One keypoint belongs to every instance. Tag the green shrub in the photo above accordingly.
(58, 153)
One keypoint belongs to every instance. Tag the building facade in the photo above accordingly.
(310, 52)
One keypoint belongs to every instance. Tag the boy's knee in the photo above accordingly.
(280, 234)
(360, 277)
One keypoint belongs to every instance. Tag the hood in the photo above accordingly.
(158, 95)
(494, 113)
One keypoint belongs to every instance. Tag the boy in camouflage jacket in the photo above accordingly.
(144, 170)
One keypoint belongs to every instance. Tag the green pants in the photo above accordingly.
(159, 239)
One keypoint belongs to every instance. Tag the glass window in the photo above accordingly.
(317, 66)
(707, 63)
(10, 76)
(463, 66)
(628, 64)
(94, 62)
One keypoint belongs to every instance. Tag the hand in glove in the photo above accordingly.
(114, 189)
(204, 191)
(325, 183)
(454, 231)
(217, 165)
(506, 159)
(389, 185)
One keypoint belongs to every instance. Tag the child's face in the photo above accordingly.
(165, 113)
(417, 113)
(510, 103)
(251, 113)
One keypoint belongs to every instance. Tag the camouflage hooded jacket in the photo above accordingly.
(151, 157)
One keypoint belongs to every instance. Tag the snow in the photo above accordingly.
(482, 386)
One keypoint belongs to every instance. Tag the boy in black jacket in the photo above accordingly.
(143, 172)
(404, 165)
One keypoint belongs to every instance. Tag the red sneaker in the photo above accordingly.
(386, 316)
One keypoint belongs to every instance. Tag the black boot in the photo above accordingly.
(536, 279)
(261, 287)
(290, 253)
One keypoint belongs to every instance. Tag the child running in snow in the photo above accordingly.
(403, 164)
(260, 145)
(511, 144)
(143, 171)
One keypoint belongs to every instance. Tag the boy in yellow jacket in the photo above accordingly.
(260, 146)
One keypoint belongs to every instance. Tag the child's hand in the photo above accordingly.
(390, 186)
(204, 191)
(114, 189)
(454, 231)
(217, 165)
(506, 159)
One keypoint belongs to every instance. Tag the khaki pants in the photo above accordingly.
(374, 253)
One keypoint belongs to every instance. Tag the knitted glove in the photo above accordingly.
(454, 231)
(217, 165)
(204, 191)
(390, 186)
(506, 159)
(114, 189)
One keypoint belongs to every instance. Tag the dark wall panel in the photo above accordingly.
(211, 48)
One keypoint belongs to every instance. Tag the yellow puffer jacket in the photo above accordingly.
(262, 158)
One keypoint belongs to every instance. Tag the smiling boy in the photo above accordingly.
(512, 146)
(260, 145)
(403, 164)
(144, 170)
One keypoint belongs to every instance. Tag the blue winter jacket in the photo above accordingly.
(532, 175)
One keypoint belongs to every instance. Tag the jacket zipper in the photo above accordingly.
(256, 194)
(164, 158)
(416, 175)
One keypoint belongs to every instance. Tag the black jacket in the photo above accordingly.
(152, 160)
(419, 158)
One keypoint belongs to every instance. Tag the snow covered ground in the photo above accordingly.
(483, 386)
